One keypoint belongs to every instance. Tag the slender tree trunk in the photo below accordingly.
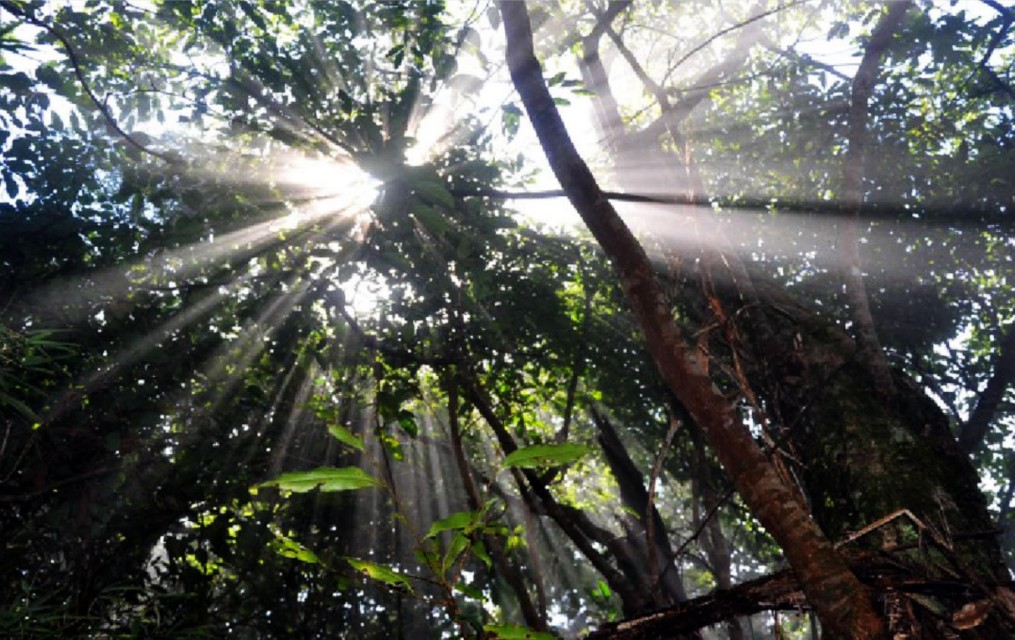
(853, 195)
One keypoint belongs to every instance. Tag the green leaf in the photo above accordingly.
(254, 16)
(49, 76)
(381, 573)
(430, 217)
(18, 406)
(471, 592)
(479, 549)
(515, 632)
(458, 545)
(407, 421)
(602, 589)
(459, 520)
(345, 436)
(433, 192)
(289, 548)
(546, 455)
(327, 478)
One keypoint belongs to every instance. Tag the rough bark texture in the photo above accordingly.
(772, 593)
(843, 604)
(865, 456)
(908, 595)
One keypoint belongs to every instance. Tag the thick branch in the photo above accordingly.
(975, 429)
(969, 214)
(636, 497)
(771, 593)
(594, 75)
(778, 592)
(843, 604)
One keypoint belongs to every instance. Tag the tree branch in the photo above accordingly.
(947, 216)
(533, 617)
(771, 593)
(975, 429)
(853, 196)
(577, 529)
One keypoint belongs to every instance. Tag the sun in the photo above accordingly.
(327, 177)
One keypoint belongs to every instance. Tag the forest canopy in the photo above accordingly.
(360, 318)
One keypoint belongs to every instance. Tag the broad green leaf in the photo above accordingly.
(407, 421)
(479, 549)
(327, 478)
(545, 455)
(433, 192)
(458, 545)
(289, 548)
(426, 557)
(431, 218)
(603, 589)
(381, 573)
(471, 592)
(459, 520)
(515, 632)
(345, 436)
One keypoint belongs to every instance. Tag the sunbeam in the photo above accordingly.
(495, 319)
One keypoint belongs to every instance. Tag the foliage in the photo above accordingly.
(418, 383)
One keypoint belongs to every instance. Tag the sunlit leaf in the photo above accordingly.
(345, 436)
(289, 548)
(326, 478)
(407, 422)
(546, 455)
(381, 573)
(479, 549)
(515, 632)
(433, 192)
(459, 520)
(471, 592)
(432, 219)
(458, 545)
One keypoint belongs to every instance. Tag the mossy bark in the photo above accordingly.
(881, 470)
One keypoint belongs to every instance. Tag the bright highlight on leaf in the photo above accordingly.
(545, 455)
(326, 478)
(381, 573)
(515, 632)
(289, 548)
(345, 436)
(459, 520)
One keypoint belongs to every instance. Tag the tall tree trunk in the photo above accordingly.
(853, 196)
